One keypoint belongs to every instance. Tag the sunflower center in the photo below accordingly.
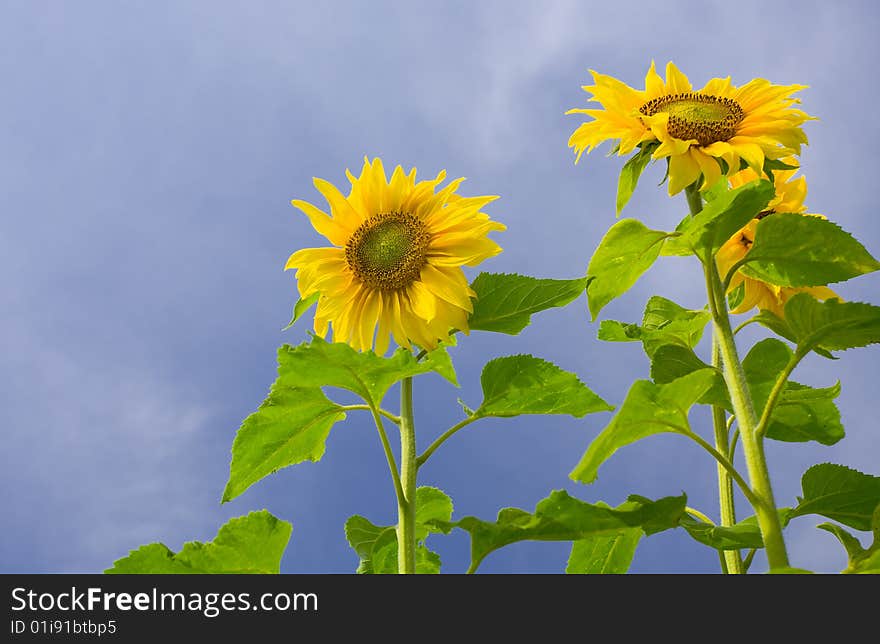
(388, 251)
(703, 117)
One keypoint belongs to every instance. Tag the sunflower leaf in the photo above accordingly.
(825, 326)
(244, 545)
(523, 384)
(626, 251)
(377, 545)
(630, 173)
(672, 361)
(745, 534)
(801, 413)
(865, 561)
(320, 363)
(505, 302)
(664, 322)
(604, 554)
(839, 493)
(299, 309)
(706, 232)
(561, 517)
(648, 409)
(802, 250)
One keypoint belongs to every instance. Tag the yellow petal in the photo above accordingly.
(321, 221)
(683, 171)
(444, 284)
(422, 300)
(343, 212)
(676, 82)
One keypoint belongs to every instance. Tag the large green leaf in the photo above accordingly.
(865, 561)
(798, 250)
(706, 232)
(244, 545)
(291, 426)
(626, 251)
(320, 363)
(630, 173)
(523, 384)
(561, 517)
(377, 545)
(839, 493)
(604, 554)
(649, 409)
(505, 301)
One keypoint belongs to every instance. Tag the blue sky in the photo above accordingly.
(150, 151)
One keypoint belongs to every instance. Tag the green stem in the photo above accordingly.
(753, 445)
(732, 558)
(443, 438)
(743, 408)
(389, 455)
(725, 463)
(778, 388)
(394, 419)
(406, 503)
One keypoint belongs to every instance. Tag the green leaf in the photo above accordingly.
(864, 561)
(291, 426)
(614, 331)
(630, 173)
(362, 534)
(839, 493)
(505, 301)
(627, 250)
(649, 409)
(301, 306)
(831, 325)
(244, 545)
(604, 554)
(377, 545)
(806, 414)
(320, 363)
(706, 232)
(742, 535)
(672, 361)
(561, 517)
(664, 322)
(523, 384)
(802, 250)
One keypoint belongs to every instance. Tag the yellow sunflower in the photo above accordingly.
(694, 129)
(396, 261)
(790, 196)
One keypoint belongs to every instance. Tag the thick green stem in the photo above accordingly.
(732, 558)
(737, 386)
(753, 443)
(406, 506)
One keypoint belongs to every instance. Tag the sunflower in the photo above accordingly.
(790, 196)
(694, 130)
(396, 261)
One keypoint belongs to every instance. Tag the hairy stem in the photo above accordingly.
(406, 506)
(737, 386)
(443, 438)
(727, 507)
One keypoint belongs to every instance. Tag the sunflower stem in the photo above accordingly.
(406, 506)
(731, 560)
(737, 386)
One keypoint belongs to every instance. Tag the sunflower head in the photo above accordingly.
(790, 195)
(708, 132)
(394, 269)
